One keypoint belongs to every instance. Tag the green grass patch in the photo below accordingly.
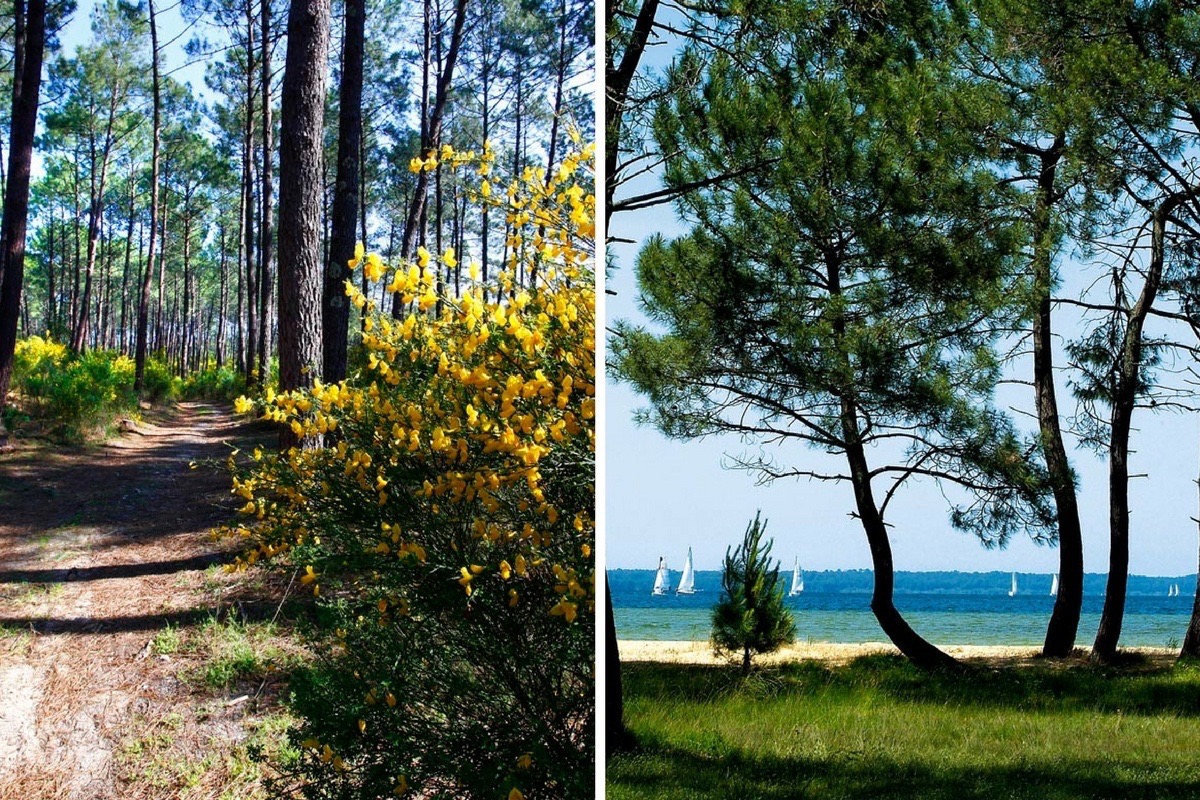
(166, 641)
(232, 651)
(880, 728)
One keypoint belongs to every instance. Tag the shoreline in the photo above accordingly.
(838, 654)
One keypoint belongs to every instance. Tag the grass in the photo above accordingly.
(171, 753)
(233, 651)
(879, 728)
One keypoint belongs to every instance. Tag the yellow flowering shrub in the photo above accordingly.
(75, 393)
(441, 509)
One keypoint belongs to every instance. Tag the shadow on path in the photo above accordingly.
(113, 571)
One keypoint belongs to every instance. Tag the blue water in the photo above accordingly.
(946, 608)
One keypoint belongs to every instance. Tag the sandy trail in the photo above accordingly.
(101, 548)
(681, 652)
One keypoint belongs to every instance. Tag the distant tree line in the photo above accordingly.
(154, 218)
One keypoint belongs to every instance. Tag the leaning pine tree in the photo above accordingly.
(846, 289)
(751, 616)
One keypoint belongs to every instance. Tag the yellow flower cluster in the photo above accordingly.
(480, 416)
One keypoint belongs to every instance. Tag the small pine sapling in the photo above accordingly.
(751, 616)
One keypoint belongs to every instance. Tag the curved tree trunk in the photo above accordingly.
(1125, 396)
(1064, 620)
(919, 651)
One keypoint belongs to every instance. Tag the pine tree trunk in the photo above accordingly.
(1125, 396)
(266, 240)
(301, 136)
(1191, 640)
(416, 209)
(16, 190)
(1064, 620)
(616, 735)
(912, 645)
(336, 306)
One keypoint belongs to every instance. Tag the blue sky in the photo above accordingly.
(665, 496)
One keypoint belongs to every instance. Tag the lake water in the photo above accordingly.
(945, 608)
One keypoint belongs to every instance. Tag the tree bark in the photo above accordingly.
(266, 239)
(1128, 369)
(143, 323)
(301, 135)
(16, 191)
(416, 208)
(1191, 640)
(616, 736)
(335, 304)
(1064, 620)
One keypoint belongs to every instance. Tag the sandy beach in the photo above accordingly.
(680, 652)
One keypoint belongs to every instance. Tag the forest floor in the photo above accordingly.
(132, 665)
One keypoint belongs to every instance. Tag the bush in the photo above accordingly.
(221, 384)
(79, 391)
(751, 616)
(447, 527)
(158, 383)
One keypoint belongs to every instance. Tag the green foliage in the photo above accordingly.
(81, 393)
(846, 283)
(77, 392)
(158, 384)
(751, 616)
(223, 384)
(441, 508)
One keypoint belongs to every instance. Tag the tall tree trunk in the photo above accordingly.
(416, 209)
(253, 375)
(125, 270)
(160, 320)
(1128, 369)
(335, 304)
(224, 297)
(96, 209)
(51, 300)
(1064, 620)
(1191, 640)
(616, 736)
(16, 192)
(185, 332)
(300, 180)
(266, 239)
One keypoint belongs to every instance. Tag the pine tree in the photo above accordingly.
(751, 616)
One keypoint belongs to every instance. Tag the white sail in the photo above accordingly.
(797, 579)
(1054, 586)
(662, 579)
(687, 581)
(1013, 590)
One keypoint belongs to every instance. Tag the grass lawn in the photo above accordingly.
(878, 728)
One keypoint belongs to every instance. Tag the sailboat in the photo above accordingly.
(687, 581)
(1173, 591)
(1012, 592)
(797, 579)
(1054, 586)
(662, 579)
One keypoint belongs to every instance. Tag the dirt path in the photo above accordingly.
(103, 549)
